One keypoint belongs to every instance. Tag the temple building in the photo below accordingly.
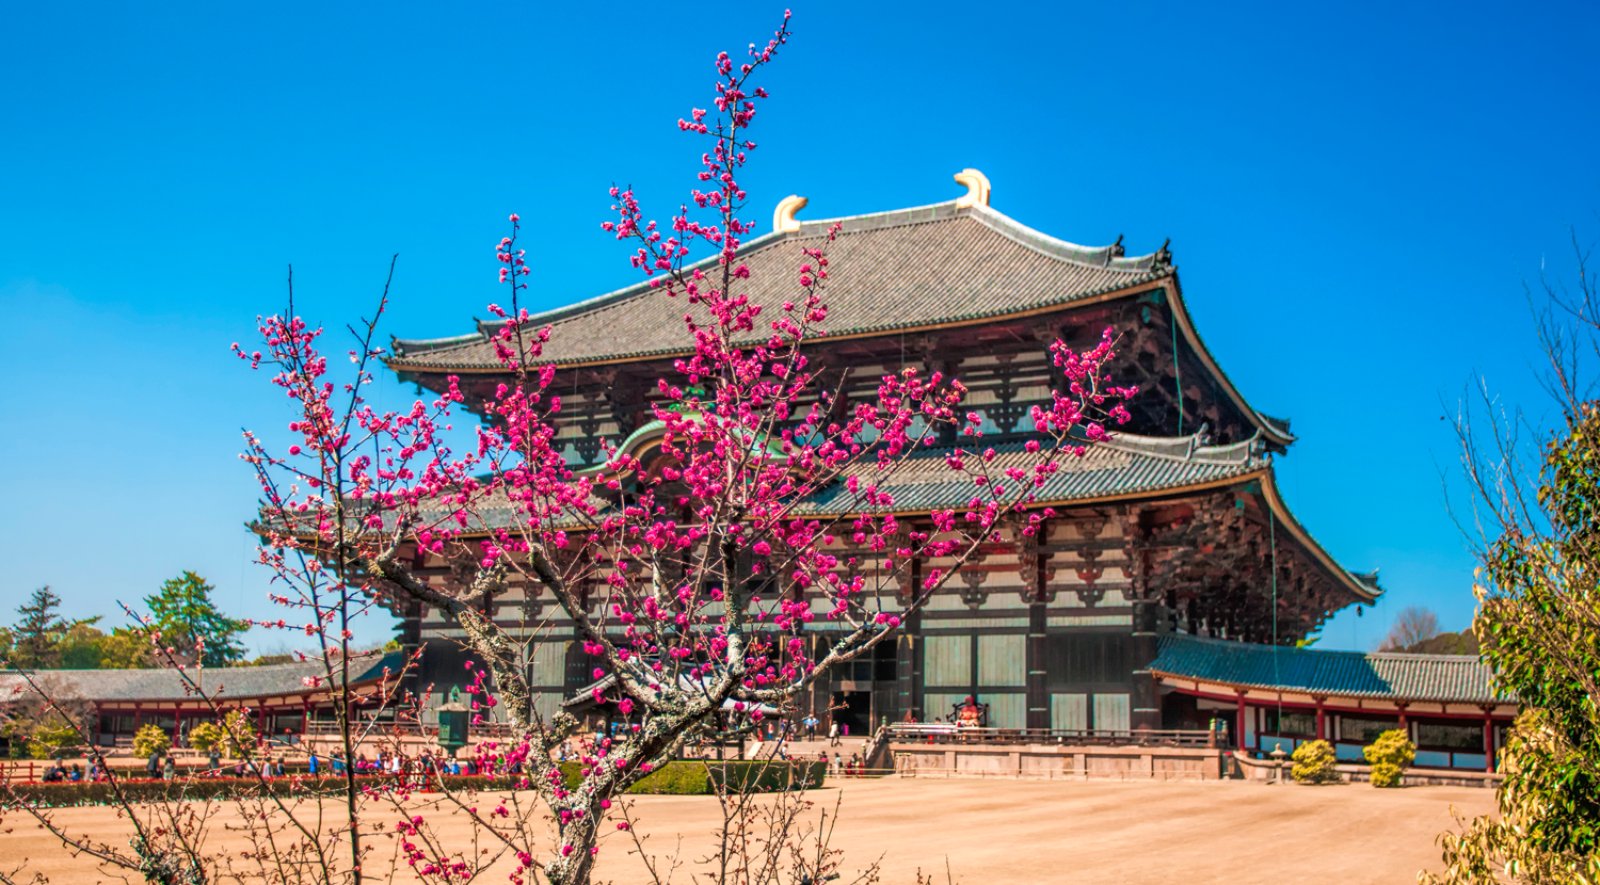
(1173, 585)
(284, 701)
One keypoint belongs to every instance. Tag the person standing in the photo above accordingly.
(833, 732)
(169, 770)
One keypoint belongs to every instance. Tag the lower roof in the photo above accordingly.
(1387, 675)
(223, 684)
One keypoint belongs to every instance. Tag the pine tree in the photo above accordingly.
(36, 637)
(191, 625)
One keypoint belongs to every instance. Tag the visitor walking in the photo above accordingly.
(833, 732)
(169, 770)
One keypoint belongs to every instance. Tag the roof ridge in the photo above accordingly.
(1370, 655)
(1106, 257)
(1426, 656)
(1032, 239)
(1242, 452)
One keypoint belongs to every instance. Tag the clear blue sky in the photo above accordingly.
(1356, 198)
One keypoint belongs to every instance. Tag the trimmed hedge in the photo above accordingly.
(693, 777)
(1315, 763)
(680, 778)
(1389, 755)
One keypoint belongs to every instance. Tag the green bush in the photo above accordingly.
(54, 740)
(205, 736)
(151, 740)
(683, 777)
(1314, 763)
(702, 778)
(238, 735)
(1389, 755)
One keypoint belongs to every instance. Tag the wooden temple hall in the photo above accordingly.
(1173, 585)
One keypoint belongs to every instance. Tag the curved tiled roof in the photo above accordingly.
(1388, 675)
(930, 265)
(165, 684)
(1128, 464)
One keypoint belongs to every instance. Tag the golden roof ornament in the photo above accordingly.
(977, 188)
(783, 220)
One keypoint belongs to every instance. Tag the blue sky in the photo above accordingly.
(1356, 197)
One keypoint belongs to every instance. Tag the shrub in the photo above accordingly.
(1314, 763)
(1389, 755)
(238, 734)
(207, 735)
(151, 740)
(683, 777)
(54, 739)
(701, 778)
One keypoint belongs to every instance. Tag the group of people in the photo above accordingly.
(393, 764)
(59, 772)
(838, 766)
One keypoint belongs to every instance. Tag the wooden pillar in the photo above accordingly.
(1239, 732)
(1322, 721)
(1146, 696)
(1037, 677)
(1488, 744)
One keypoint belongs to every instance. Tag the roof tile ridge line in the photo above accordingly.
(400, 348)
(1427, 656)
(1258, 647)
(1098, 257)
(880, 220)
(596, 302)
(1221, 455)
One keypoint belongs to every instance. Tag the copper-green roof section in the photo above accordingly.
(1352, 674)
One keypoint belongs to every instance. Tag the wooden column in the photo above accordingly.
(1146, 699)
(1488, 742)
(1036, 575)
(1238, 735)
(1038, 691)
(1322, 720)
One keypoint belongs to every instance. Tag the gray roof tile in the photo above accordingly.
(1389, 675)
(890, 270)
(162, 684)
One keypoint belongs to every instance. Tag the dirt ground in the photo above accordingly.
(1022, 832)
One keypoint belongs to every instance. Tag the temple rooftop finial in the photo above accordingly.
(977, 188)
(783, 220)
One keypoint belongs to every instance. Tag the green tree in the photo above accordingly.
(1538, 620)
(183, 612)
(36, 637)
(125, 649)
(82, 646)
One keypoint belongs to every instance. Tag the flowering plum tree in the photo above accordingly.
(698, 575)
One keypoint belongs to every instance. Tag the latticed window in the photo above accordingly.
(1296, 722)
(1449, 736)
(1353, 728)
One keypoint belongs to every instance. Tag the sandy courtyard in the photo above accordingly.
(1032, 831)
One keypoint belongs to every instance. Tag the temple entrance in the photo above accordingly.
(853, 711)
